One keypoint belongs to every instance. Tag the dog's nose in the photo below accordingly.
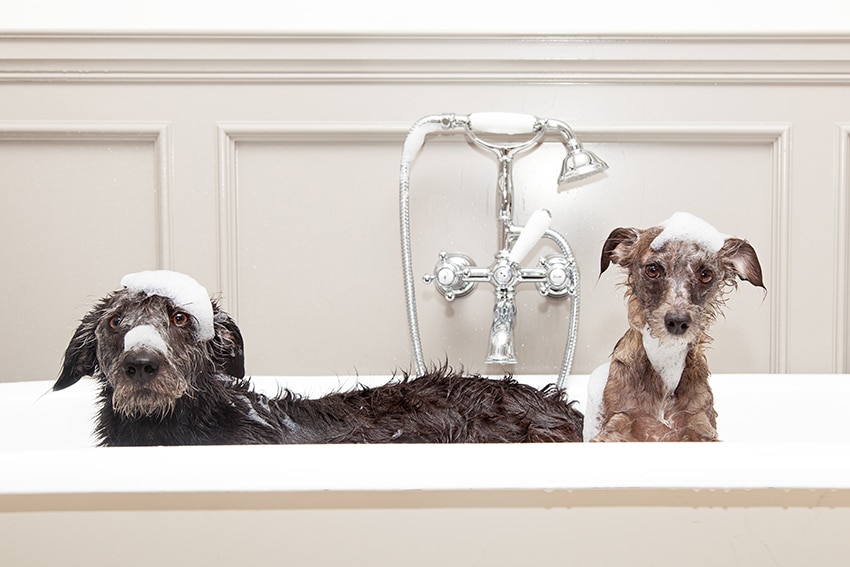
(141, 366)
(677, 323)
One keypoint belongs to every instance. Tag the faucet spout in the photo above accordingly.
(501, 348)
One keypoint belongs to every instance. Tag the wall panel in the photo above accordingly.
(267, 166)
(80, 202)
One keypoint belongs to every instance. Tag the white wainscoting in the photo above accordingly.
(266, 165)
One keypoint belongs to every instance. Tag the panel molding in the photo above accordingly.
(157, 134)
(841, 363)
(426, 58)
(230, 134)
(776, 136)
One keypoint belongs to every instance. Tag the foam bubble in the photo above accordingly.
(689, 228)
(144, 335)
(182, 290)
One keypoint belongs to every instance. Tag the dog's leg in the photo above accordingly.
(617, 428)
(697, 428)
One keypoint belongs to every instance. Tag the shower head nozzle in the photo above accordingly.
(579, 164)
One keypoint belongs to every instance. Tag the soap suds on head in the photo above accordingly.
(144, 336)
(182, 290)
(687, 227)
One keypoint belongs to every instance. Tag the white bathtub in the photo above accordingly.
(776, 492)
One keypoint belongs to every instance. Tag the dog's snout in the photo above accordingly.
(141, 365)
(677, 323)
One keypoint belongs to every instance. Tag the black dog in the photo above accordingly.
(171, 368)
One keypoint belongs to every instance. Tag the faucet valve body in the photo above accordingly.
(561, 276)
(449, 275)
(455, 275)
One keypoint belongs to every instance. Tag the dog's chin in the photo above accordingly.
(135, 401)
(667, 340)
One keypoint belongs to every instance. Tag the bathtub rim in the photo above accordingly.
(816, 469)
(404, 476)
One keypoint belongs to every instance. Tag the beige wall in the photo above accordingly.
(267, 167)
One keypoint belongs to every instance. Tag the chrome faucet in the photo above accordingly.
(455, 275)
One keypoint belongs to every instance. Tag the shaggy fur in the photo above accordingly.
(196, 393)
(657, 382)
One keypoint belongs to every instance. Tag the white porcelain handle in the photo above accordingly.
(533, 231)
(502, 122)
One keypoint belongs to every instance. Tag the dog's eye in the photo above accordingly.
(114, 322)
(706, 276)
(180, 319)
(652, 270)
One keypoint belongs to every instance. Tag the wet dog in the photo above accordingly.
(655, 387)
(170, 364)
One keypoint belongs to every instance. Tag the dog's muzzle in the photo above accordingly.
(141, 365)
(143, 350)
(677, 322)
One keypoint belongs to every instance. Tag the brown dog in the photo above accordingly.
(655, 387)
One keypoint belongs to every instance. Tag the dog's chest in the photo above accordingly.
(668, 360)
(666, 409)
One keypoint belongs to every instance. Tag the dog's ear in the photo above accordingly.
(228, 348)
(81, 355)
(741, 258)
(616, 245)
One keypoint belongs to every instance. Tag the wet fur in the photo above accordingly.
(200, 396)
(638, 403)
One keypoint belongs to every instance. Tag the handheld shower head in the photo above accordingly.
(579, 164)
